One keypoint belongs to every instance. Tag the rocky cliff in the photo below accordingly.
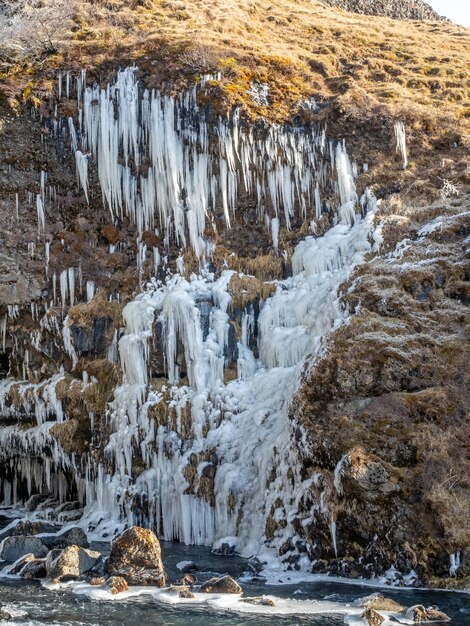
(406, 10)
(234, 282)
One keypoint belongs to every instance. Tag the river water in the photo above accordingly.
(40, 606)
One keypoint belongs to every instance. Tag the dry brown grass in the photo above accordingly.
(299, 48)
(246, 289)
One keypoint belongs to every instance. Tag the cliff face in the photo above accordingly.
(398, 10)
(237, 331)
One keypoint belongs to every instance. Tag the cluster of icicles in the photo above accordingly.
(239, 430)
(162, 164)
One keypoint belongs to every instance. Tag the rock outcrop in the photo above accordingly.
(396, 9)
(136, 557)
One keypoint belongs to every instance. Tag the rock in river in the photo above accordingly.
(136, 556)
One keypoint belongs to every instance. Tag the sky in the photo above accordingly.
(457, 10)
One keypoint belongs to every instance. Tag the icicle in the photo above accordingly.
(90, 290)
(275, 233)
(82, 171)
(40, 212)
(400, 137)
(3, 327)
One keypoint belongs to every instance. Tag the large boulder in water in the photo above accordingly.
(136, 557)
(13, 548)
(71, 562)
(72, 537)
(224, 584)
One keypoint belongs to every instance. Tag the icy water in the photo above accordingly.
(63, 608)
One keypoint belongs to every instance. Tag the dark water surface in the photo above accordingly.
(63, 608)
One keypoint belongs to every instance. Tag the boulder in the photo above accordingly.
(13, 548)
(36, 568)
(259, 601)
(34, 501)
(18, 566)
(371, 617)
(420, 615)
(378, 602)
(116, 584)
(136, 557)
(96, 581)
(5, 615)
(72, 537)
(225, 549)
(27, 527)
(186, 594)
(71, 562)
(187, 579)
(224, 584)
(70, 516)
(187, 566)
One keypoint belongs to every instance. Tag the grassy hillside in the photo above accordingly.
(355, 63)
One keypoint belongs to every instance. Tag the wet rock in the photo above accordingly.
(136, 556)
(420, 615)
(378, 602)
(35, 568)
(117, 584)
(225, 549)
(224, 584)
(71, 562)
(371, 617)
(259, 601)
(72, 537)
(13, 548)
(68, 506)
(187, 566)
(5, 615)
(27, 527)
(186, 594)
(70, 516)
(97, 580)
(34, 501)
(17, 567)
(187, 579)
(255, 565)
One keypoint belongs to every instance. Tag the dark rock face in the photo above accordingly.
(136, 557)
(36, 568)
(91, 341)
(401, 10)
(224, 584)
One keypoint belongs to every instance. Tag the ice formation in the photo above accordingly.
(164, 166)
(214, 453)
(400, 137)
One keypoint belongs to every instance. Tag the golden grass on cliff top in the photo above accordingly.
(299, 48)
